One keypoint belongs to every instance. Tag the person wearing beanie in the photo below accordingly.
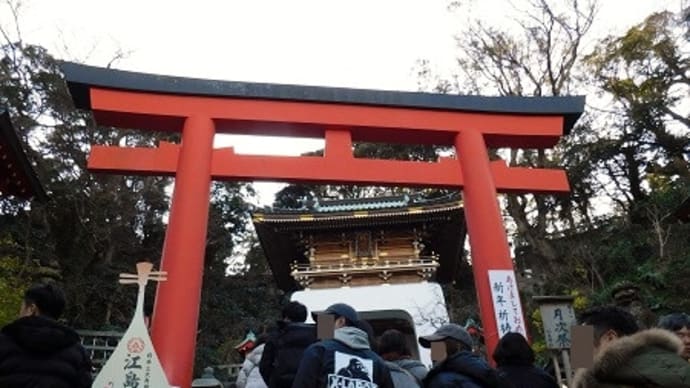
(346, 360)
(461, 367)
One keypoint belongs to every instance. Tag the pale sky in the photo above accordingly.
(371, 44)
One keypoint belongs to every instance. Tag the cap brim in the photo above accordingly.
(428, 339)
(315, 315)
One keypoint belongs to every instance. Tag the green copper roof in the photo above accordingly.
(361, 204)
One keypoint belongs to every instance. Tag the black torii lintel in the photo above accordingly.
(80, 78)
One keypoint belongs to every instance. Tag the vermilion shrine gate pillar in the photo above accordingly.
(485, 222)
(201, 108)
(176, 310)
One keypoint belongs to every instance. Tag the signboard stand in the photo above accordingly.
(557, 369)
(134, 363)
(567, 366)
(558, 316)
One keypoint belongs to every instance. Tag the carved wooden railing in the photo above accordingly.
(383, 271)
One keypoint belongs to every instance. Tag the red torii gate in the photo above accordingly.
(201, 108)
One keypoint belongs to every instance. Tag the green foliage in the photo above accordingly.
(296, 196)
(12, 284)
(96, 226)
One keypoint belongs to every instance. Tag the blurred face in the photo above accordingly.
(452, 346)
(684, 335)
(28, 310)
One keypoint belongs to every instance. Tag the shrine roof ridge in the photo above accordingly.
(337, 205)
(9, 138)
(362, 204)
(80, 78)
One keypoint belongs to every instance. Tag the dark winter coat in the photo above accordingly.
(464, 370)
(650, 358)
(283, 353)
(527, 376)
(38, 352)
(346, 360)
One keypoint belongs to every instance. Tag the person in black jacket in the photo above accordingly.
(283, 350)
(461, 368)
(515, 361)
(38, 352)
(346, 360)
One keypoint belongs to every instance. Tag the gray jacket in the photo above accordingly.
(415, 367)
(402, 378)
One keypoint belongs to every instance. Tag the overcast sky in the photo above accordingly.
(370, 44)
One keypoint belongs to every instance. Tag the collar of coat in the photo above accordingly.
(621, 351)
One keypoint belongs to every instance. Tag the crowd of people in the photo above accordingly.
(36, 351)
(292, 356)
(624, 355)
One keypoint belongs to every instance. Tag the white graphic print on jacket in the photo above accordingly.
(351, 372)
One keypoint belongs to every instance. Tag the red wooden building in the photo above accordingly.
(17, 176)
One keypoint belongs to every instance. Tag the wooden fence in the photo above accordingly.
(101, 344)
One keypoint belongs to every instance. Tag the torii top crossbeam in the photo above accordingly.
(153, 102)
(201, 108)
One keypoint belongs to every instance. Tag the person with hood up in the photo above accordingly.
(250, 376)
(284, 349)
(346, 360)
(405, 371)
(38, 352)
(461, 368)
(515, 361)
(627, 357)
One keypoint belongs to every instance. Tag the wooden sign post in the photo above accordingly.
(558, 316)
(134, 363)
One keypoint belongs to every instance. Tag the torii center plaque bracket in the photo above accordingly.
(201, 108)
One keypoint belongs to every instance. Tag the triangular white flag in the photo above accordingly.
(134, 363)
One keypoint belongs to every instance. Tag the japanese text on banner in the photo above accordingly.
(506, 301)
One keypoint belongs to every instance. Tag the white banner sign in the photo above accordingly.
(507, 307)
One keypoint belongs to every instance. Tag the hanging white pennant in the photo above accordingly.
(134, 363)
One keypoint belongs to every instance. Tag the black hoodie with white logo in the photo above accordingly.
(346, 361)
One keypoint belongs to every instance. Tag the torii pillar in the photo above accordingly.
(176, 309)
(200, 108)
